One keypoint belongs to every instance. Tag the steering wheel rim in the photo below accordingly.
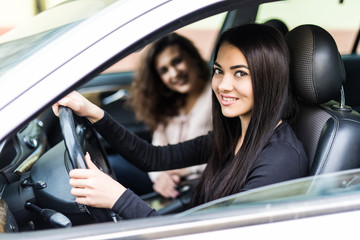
(72, 143)
(76, 156)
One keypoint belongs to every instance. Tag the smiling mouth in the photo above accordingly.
(180, 80)
(229, 99)
(226, 101)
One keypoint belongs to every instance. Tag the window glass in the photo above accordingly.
(32, 35)
(340, 19)
(323, 187)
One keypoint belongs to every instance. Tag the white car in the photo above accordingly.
(82, 44)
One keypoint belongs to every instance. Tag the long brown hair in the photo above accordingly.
(267, 56)
(151, 99)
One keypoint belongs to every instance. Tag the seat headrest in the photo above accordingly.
(316, 68)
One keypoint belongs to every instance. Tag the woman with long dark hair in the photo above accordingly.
(252, 143)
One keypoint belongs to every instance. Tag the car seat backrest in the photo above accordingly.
(329, 130)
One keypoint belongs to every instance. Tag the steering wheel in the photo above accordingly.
(79, 140)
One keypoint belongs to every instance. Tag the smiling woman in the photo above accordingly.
(39, 70)
(256, 57)
(232, 76)
(243, 152)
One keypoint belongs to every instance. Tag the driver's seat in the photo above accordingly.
(330, 131)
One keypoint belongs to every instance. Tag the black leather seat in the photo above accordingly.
(329, 130)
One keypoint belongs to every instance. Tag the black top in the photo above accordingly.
(282, 159)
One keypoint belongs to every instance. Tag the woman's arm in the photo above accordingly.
(81, 106)
(93, 187)
(153, 158)
(133, 148)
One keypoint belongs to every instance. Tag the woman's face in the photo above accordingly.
(231, 82)
(177, 70)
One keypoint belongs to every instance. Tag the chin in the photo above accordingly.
(229, 114)
(183, 89)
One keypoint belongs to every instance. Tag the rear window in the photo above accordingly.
(340, 19)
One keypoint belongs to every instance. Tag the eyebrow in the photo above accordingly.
(215, 63)
(239, 66)
(232, 67)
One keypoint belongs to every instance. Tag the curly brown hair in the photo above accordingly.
(152, 101)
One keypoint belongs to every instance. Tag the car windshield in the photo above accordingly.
(300, 190)
(23, 41)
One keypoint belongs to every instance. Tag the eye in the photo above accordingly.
(217, 71)
(241, 74)
(176, 61)
(163, 70)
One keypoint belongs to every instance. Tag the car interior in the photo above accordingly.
(328, 129)
(328, 124)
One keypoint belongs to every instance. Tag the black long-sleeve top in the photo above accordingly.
(282, 159)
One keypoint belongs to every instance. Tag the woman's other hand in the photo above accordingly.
(80, 105)
(93, 187)
(167, 181)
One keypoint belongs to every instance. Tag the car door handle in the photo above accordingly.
(121, 94)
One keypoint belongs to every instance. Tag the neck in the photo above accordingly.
(193, 97)
(245, 120)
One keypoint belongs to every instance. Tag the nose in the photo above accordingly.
(225, 84)
(173, 72)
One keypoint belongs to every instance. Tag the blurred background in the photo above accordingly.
(14, 12)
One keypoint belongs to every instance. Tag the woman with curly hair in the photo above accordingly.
(171, 93)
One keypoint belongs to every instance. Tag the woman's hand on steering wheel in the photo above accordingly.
(98, 189)
(93, 187)
(79, 105)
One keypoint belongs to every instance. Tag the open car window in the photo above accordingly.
(202, 33)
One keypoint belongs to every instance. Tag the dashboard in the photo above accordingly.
(18, 153)
(34, 170)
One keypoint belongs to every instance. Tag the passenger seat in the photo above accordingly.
(329, 130)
